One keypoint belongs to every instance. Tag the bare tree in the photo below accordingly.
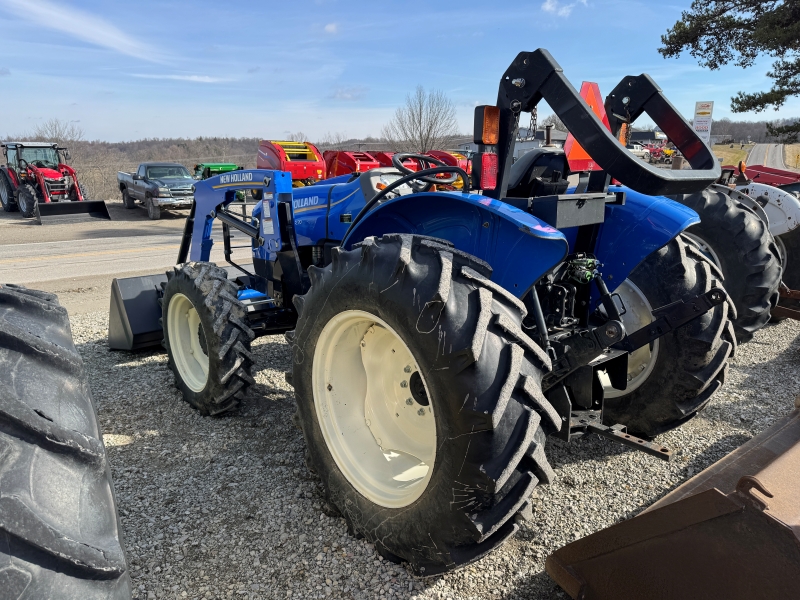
(332, 141)
(298, 136)
(555, 122)
(56, 130)
(426, 122)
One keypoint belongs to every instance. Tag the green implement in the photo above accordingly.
(206, 170)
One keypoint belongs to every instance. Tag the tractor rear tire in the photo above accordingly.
(790, 243)
(127, 200)
(60, 536)
(741, 246)
(471, 387)
(207, 337)
(690, 362)
(6, 194)
(27, 199)
(153, 211)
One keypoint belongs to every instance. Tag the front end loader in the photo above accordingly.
(38, 183)
(440, 337)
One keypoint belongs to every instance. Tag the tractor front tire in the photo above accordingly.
(673, 379)
(6, 194)
(127, 200)
(790, 246)
(741, 246)
(27, 199)
(60, 534)
(207, 337)
(419, 397)
(153, 211)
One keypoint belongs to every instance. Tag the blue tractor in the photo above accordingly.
(440, 336)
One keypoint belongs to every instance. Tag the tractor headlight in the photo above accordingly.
(164, 191)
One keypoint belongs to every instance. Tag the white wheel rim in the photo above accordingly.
(707, 250)
(782, 252)
(382, 439)
(184, 327)
(641, 361)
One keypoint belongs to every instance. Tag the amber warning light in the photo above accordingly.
(487, 125)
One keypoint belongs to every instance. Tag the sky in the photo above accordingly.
(157, 69)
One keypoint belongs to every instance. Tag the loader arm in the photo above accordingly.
(534, 76)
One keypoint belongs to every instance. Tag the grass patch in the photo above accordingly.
(730, 156)
(791, 157)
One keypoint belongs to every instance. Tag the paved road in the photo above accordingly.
(769, 155)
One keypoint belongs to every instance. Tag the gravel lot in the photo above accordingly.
(225, 508)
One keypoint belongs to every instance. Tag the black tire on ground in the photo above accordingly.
(747, 255)
(127, 199)
(483, 380)
(27, 198)
(791, 263)
(60, 535)
(73, 197)
(224, 336)
(153, 211)
(691, 361)
(6, 194)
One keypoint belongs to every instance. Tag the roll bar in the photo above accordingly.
(536, 75)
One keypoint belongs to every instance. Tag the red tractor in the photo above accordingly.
(36, 177)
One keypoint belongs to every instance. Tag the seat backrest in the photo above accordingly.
(540, 172)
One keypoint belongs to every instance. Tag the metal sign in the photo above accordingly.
(702, 120)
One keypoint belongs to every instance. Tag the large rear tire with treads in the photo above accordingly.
(59, 531)
(741, 246)
(420, 399)
(672, 379)
(207, 337)
(6, 194)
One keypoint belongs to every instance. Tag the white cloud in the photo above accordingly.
(562, 10)
(349, 93)
(81, 25)
(194, 78)
(331, 28)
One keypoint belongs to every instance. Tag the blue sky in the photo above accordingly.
(162, 69)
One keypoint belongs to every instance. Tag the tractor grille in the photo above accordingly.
(56, 187)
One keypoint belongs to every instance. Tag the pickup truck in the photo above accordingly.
(639, 151)
(157, 186)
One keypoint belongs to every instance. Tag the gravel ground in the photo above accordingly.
(225, 508)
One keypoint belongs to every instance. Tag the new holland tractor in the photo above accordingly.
(439, 337)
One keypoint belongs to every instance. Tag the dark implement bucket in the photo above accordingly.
(134, 314)
(732, 531)
(48, 213)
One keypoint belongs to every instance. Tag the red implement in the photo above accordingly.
(338, 162)
(301, 159)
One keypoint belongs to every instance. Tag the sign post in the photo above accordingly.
(702, 120)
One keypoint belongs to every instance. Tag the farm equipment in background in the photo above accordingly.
(438, 338)
(340, 162)
(301, 159)
(37, 181)
(206, 170)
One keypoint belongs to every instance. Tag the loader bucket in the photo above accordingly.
(732, 531)
(134, 315)
(49, 213)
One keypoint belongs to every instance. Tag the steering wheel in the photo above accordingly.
(424, 183)
(23, 164)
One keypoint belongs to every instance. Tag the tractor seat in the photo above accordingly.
(540, 172)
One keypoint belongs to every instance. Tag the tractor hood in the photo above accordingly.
(50, 173)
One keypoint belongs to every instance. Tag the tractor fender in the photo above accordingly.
(782, 207)
(634, 230)
(519, 247)
(742, 198)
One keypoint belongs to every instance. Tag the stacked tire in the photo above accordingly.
(59, 530)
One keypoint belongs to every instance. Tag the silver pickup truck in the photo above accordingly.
(157, 186)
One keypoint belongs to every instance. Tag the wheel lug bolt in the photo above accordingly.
(407, 369)
(421, 412)
(403, 384)
(409, 401)
(330, 387)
